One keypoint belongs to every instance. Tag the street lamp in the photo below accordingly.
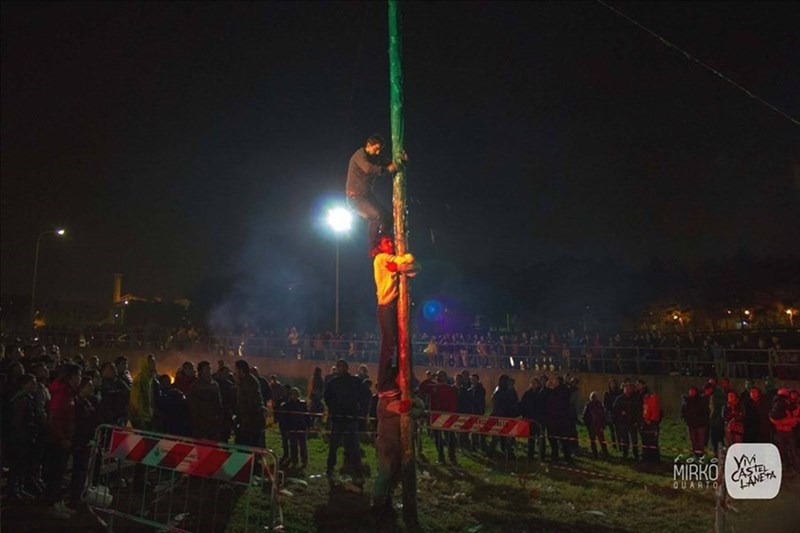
(340, 220)
(60, 232)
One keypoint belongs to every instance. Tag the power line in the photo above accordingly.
(707, 67)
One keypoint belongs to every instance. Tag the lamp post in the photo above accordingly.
(59, 232)
(340, 220)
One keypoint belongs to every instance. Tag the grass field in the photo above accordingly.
(481, 495)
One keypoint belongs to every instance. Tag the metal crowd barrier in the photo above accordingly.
(180, 484)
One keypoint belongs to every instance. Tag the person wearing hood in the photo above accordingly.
(141, 407)
(594, 417)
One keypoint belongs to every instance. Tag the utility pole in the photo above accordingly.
(409, 475)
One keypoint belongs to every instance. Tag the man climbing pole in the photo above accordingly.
(366, 164)
(387, 269)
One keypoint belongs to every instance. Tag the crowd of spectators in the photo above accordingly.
(54, 404)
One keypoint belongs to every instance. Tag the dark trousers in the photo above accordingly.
(80, 467)
(597, 434)
(379, 218)
(479, 441)
(717, 436)
(55, 465)
(628, 438)
(251, 437)
(387, 319)
(612, 431)
(19, 462)
(284, 440)
(787, 446)
(697, 436)
(298, 443)
(650, 450)
(559, 440)
(442, 439)
(344, 432)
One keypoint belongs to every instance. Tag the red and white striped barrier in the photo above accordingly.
(184, 457)
(488, 425)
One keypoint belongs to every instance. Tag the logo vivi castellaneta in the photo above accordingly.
(753, 471)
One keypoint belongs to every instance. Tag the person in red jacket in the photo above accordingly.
(60, 432)
(784, 420)
(442, 397)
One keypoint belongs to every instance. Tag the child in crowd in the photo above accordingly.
(296, 423)
(594, 416)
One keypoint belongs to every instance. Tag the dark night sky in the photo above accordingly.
(182, 142)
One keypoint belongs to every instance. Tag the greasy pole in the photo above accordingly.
(409, 476)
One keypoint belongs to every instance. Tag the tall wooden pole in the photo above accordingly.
(409, 475)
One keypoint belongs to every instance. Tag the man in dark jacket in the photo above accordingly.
(612, 393)
(694, 412)
(531, 407)
(366, 164)
(114, 392)
(627, 413)
(227, 393)
(757, 426)
(205, 405)
(22, 435)
(250, 409)
(342, 396)
(172, 409)
(463, 406)
(478, 401)
(560, 418)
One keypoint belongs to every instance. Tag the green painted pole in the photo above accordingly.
(409, 475)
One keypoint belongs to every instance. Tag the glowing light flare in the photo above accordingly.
(61, 232)
(340, 219)
(432, 310)
(747, 312)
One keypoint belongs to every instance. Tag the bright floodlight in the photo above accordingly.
(340, 219)
(61, 231)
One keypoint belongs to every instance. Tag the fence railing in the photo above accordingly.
(726, 362)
